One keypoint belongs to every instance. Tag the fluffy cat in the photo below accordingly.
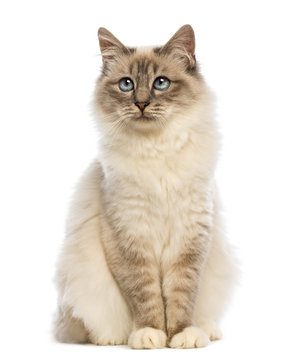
(144, 261)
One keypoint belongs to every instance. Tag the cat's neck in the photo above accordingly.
(146, 145)
(180, 131)
(172, 142)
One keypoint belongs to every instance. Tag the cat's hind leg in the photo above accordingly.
(68, 329)
(217, 281)
(87, 286)
(85, 283)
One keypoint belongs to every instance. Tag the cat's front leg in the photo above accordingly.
(180, 287)
(137, 275)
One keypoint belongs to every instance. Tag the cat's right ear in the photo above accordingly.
(109, 45)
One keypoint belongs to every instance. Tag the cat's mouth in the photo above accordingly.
(144, 118)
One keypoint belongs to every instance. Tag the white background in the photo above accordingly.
(49, 62)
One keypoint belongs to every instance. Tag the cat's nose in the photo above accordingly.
(142, 104)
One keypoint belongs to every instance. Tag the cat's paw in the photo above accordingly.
(190, 337)
(147, 338)
(101, 340)
(212, 330)
(104, 342)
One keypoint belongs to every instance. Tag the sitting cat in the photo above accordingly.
(145, 262)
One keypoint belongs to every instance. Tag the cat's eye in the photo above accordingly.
(161, 83)
(126, 84)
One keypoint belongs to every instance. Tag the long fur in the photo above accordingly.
(144, 245)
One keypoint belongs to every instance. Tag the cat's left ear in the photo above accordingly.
(182, 45)
(109, 45)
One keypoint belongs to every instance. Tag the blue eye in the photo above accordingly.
(161, 83)
(126, 84)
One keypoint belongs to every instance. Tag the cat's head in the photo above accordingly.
(144, 89)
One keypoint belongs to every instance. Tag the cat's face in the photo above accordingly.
(143, 89)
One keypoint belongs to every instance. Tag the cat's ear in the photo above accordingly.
(109, 45)
(182, 45)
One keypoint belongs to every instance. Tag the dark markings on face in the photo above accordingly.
(157, 50)
(155, 67)
(143, 69)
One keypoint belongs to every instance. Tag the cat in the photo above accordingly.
(145, 262)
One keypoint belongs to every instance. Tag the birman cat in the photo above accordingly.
(145, 261)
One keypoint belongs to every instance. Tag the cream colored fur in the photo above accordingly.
(87, 289)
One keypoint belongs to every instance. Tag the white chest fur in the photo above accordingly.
(156, 198)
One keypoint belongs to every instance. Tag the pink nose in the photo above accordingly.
(142, 104)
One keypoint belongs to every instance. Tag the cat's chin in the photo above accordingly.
(146, 123)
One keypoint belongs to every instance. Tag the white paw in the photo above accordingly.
(190, 337)
(104, 342)
(147, 338)
(99, 340)
(212, 330)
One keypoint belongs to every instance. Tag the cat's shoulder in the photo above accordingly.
(93, 174)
